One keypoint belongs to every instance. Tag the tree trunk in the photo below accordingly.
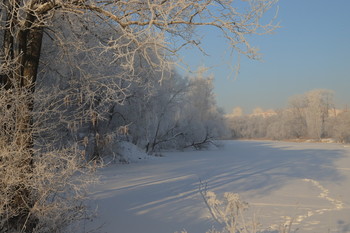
(22, 50)
(21, 47)
(30, 62)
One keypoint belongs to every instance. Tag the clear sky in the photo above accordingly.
(311, 50)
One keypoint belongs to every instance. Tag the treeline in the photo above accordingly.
(308, 116)
(175, 113)
(153, 109)
(88, 101)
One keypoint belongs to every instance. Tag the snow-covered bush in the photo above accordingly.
(46, 199)
(230, 213)
(41, 189)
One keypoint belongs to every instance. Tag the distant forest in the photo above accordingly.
(312, 115)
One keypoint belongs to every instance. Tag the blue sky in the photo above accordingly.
(310, 50)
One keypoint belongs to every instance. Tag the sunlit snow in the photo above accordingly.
(307, 183)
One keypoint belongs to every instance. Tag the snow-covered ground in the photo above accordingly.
(309, 182)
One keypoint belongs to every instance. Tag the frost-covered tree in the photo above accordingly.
(151, 113)
(283, 125)
(97, 47)
(319, 102)
(249, 126)
(297, 105)
(201, 121)
(310, 112)
(176, 113)
(338, 127)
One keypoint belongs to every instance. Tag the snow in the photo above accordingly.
(308, 183)
(127, 153)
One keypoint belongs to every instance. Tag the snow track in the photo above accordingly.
(337, 204)
(324, 194)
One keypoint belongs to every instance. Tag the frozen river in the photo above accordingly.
(306, 182)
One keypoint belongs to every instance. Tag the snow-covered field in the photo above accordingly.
(309, 182)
